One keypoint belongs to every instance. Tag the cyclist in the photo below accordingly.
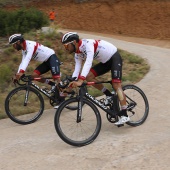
(109, 59)
(32, 50)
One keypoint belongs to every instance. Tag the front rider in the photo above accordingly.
(32, 50)
(109, 59)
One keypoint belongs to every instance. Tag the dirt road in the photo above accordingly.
(37, 146)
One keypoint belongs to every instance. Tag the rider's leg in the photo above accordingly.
(91, 77)
(54, 65)
(116, 71)
(121, 96)
(51, 64)
(122, 99)
(36, 74)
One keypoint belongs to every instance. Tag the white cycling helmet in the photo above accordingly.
(15, 37)
(69, 36)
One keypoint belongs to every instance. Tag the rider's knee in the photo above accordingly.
(116, 85)
(90, 76)
(35, 74)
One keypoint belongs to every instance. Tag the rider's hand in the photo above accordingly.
(76, 83)
(14, 79)
(18, 75)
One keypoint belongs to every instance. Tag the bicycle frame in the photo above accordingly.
(30, 83)
(92, 99)
(40, 90)
(83, 125)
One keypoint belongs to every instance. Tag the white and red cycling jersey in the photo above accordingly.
(89, 50)
(33, 51)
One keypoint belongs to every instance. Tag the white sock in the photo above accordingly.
(47, 81)
(103, 90)
(123, 107)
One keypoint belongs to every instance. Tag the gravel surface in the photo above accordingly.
(38, 147)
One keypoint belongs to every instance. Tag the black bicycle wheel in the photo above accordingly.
(73, 133)
(22, 112)
(138, 106)
(73, 106)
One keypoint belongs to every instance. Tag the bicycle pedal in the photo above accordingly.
(120, 125)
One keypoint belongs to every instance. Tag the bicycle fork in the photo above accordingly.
(80, 105)
(79, 111)
(26, 96)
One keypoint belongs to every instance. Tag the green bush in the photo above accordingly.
(5, 73)
(21, 21)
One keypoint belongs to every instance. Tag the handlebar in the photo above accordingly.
(25, 78)
(28, 78)
(64, 83)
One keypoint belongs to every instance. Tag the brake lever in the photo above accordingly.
(15, 84)
(71, 78)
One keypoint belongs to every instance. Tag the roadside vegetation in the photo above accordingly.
(134, 68)
(21, 20)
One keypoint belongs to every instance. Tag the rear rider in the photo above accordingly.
(109, 60)
(32, 50)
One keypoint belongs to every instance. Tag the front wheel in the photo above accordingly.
(24, 105)
(77, 132)
(138, 106)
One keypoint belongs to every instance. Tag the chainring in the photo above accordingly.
(111, 119)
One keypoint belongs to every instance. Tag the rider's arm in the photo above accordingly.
(89, 60)
(78, 63)
(26, 57)
(24, 63)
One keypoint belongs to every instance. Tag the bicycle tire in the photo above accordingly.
(70, 107)
(17, 112)
(65, 122)
(141, 106)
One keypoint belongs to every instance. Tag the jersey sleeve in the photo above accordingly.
(89, 60)
(78, 63)
(25, 60)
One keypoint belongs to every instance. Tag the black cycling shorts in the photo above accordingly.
(114, 64)
(52, 64)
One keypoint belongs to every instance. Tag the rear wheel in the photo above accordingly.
(24, 106)
(138, 106)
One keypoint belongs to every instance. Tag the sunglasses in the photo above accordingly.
(66, 44)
